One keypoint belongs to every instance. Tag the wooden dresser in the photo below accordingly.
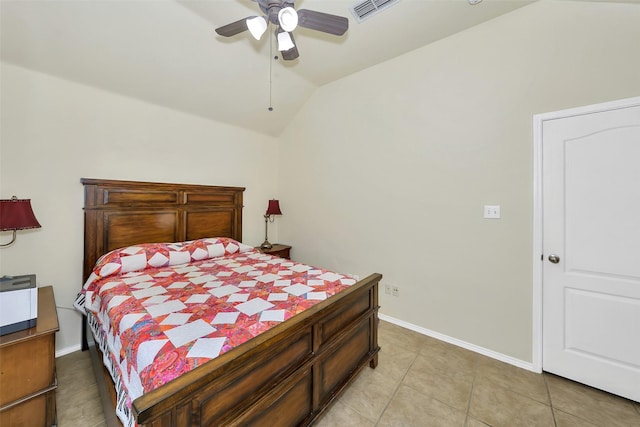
(28, 369)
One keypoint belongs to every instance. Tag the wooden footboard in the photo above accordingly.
(287, 376)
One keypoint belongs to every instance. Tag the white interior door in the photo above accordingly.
(591, 247)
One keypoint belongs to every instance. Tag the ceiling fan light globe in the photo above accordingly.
(288, 18)
(257, 26)
(284, 42)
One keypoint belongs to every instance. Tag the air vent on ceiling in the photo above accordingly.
(367, 8)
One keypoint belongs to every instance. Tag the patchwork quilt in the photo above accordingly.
(160, 310)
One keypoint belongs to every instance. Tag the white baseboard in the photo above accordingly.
(67, 350)
(477, 349)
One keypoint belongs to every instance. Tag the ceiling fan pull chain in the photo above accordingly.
(271, 59)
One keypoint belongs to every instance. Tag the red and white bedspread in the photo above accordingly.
(160, 310)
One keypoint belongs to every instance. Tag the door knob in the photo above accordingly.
(554, 258)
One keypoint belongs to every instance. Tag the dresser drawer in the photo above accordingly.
(27, 367)
(34, 412)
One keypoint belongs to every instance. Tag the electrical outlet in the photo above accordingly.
(395, 291)
(387, 288)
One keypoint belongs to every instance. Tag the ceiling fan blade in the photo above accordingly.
(233, 28)
(291, 54)
(325, 22)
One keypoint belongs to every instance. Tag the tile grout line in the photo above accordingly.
(395, 391)
(546, 386)
(473, 382)
(572, 414)
(436, 398)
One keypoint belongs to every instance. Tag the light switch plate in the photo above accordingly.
(492, 211)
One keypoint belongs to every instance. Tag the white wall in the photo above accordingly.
(54, 132)
(395, 179)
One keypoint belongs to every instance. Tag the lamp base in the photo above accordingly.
(266, 245)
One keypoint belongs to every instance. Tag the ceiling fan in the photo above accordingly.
(286, 18)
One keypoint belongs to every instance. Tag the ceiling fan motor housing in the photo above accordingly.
(271, 8)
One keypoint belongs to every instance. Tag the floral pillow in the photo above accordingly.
(154, 255)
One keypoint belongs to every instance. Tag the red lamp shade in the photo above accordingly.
(273, 208)
(16, 214)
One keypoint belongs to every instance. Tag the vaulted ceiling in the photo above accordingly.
(166, 52)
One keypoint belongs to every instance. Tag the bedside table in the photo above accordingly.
(282, 251)
(28, 369)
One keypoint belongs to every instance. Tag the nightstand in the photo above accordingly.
(28, 369)
(282, 251)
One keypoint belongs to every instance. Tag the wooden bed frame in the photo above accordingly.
(288, 375)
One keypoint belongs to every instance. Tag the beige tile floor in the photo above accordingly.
(419, 381)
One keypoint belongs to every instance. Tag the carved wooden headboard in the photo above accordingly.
(125, 213)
